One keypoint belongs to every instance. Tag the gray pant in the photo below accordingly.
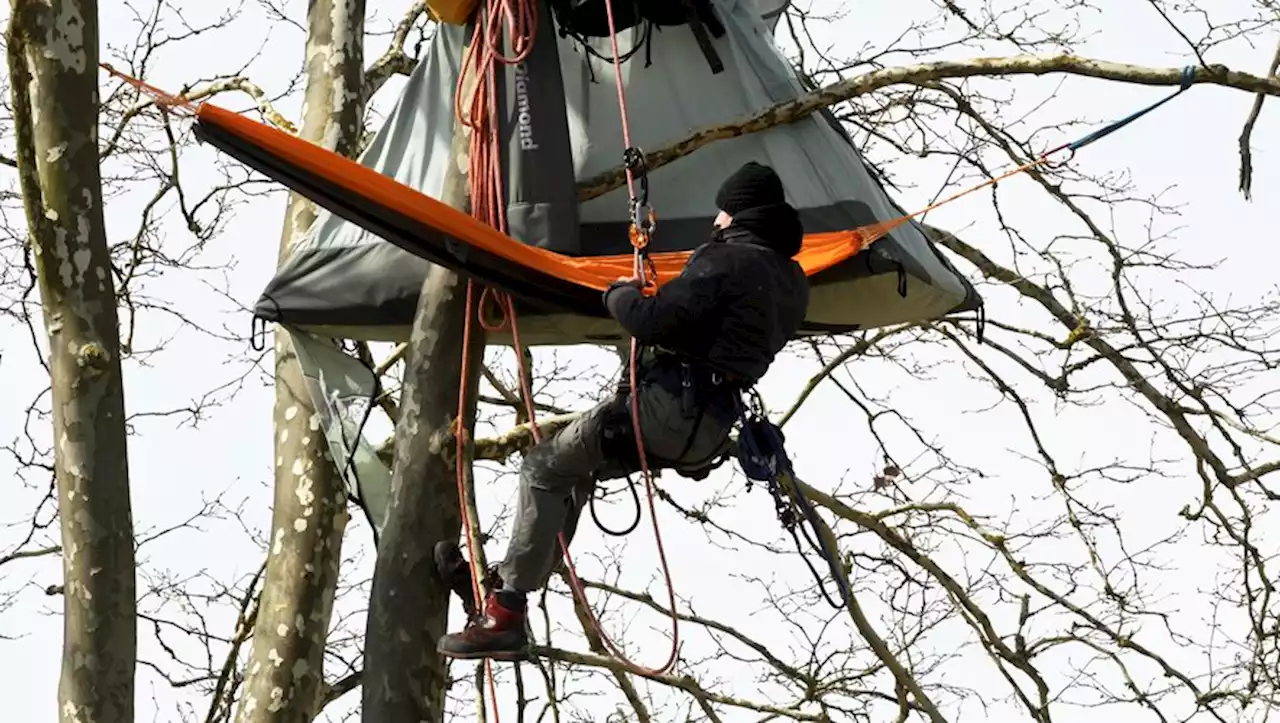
(559, 475)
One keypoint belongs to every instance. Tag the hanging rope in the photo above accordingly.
(642, 225)
(488, 202)
(478, 112)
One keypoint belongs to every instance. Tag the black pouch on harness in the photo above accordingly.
(590, 19)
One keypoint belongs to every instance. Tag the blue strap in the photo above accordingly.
(1188, 79)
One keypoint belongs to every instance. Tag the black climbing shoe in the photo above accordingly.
(498, 634)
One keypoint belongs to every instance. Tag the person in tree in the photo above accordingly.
(707, 335)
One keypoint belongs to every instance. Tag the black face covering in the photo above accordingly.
(776, 226)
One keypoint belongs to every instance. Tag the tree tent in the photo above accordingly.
(359, 270)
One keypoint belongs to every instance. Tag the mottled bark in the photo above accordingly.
(285, 674)
(53, 66)
(404, 676)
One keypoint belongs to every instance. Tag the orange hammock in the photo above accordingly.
(820, 251)
(428, 228)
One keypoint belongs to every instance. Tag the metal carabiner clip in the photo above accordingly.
(643, 218)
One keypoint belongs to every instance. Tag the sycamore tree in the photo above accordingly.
(1059, 512)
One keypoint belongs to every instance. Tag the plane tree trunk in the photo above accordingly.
(404, 677)
(53, 66)
(285, 674)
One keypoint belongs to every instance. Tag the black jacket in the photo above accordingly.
(737, 302)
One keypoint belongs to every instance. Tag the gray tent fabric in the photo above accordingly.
(345, 282)
(342, 389)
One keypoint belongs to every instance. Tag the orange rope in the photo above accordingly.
(871, 233)
(478, 113)
(166, 101)
(485, 180)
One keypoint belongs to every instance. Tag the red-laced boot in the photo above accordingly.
(498, 633)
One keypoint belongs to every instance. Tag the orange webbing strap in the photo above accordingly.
(175, 103)
(871, 233)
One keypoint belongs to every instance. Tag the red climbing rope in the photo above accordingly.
(478, 113)
(639, 240)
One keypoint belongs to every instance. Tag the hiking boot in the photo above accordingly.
(455, 570)
(498, 634)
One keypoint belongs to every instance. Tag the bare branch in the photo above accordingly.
(844, 90)
(395, 61)
(1246, 133)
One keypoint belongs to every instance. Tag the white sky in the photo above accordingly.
(1186, 149)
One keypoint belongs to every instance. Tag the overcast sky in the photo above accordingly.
(1187, 150)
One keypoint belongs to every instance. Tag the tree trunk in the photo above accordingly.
(53, 66)
(285, 675)
(404, 677)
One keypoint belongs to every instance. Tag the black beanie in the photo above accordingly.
(751, 186)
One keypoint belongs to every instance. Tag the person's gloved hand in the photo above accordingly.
(623, 282)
